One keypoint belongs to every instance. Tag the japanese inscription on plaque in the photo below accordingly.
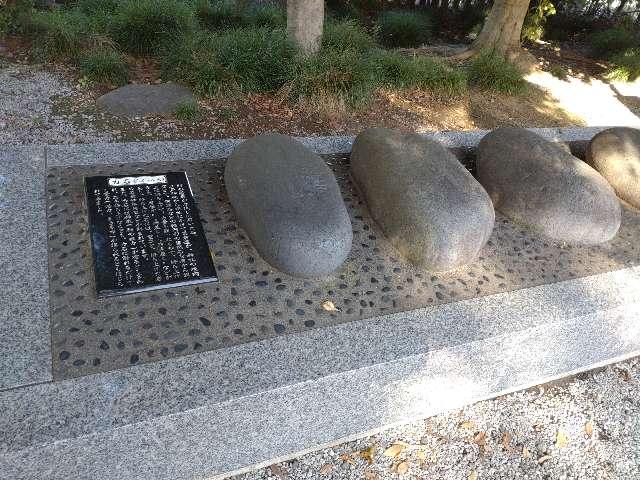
(146, 233)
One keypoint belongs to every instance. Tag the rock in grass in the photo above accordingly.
(427, 204)
(139, 100)
(289, 203)
(538, 184)
(615, 153)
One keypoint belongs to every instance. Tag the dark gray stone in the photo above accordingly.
(290, 205)
(428, 205)
(139, 100)
(538, 184)
(615, 153)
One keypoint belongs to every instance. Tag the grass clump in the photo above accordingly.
(140, 26)
(626, 66)
(104, 66)
(404, 29)
(611, 41)
(398, 71)
(248, 59)
(267, 15)
(217, 15)
(61, 34)
(346, 74)
(493, 72)
(347, 35)
(15, 17)
(188, 112)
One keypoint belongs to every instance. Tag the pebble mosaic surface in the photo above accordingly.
(253, 301)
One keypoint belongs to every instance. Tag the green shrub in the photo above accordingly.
(564, 25)
(267, 15)
(60, 34)
(259, 59)
(404, 29)
(92, 6)
(627, 66)
(140, 26)
(344, 73)
(253, 59)
(15, 18)
(611, 41)
(191, 59)
(347, 35)
(398, 71)
(492, 72)
(219, 14)
(104, 66)
(188, 112)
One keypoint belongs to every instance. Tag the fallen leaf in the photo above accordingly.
(278, 471)
(369, 475)
(623, 374)
(473, 475)
(468, 425)
(326, 469)
(526, 453)
(480, 438)
(561, 439)
(421, 454)
(402, 468)
(394, 450)
(347, 458)
(543, 459)
(368, 454)
(506, 440)
(329, 306)
(588, 428)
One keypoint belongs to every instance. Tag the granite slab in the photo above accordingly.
(25, 355)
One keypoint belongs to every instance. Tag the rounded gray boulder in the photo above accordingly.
(615, 153)
(538, 184)
(290, 205)
(138, 100)
(427, 204)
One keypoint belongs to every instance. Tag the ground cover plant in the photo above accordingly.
(228, 47)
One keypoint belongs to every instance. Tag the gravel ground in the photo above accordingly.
(586, 428)
(26, 99)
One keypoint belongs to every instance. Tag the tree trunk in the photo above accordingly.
(305, 21)
(501, 31)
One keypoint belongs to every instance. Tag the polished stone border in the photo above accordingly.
(101, 153)
(25, 355)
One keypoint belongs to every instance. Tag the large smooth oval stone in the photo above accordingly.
(540, 185)
(290, 205)
(615, 153)
(427, 204)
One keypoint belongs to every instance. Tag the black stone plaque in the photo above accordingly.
(146, 233)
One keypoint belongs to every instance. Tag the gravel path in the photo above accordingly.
(26, 99)
(588, 428)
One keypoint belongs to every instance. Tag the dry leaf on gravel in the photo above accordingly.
(561, 439)
(506, 440)
(278, 471)
(394, 450)
(347, 458)
(480, 438)
(543, 459)
(329, 306)
(526, 453)
(402, 468)
(588, 428)
(473, 475)
(468, 425)
(368, 454)
(369, 475)
(325, 469)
